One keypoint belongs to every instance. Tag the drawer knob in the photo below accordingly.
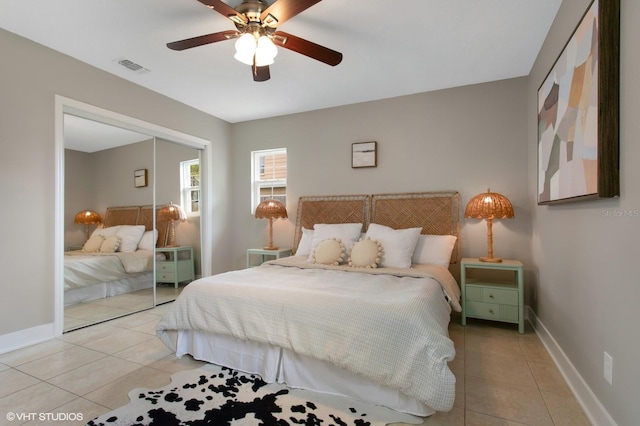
(491, 311)
(491, 296)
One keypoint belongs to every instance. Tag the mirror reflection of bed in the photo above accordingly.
(117, 183)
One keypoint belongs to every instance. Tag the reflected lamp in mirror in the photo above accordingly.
(170, 213)
(271, 209)
(489, 205)
(86, 218)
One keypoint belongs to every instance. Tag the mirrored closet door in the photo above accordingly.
(129, 244)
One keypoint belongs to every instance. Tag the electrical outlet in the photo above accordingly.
(608, 368)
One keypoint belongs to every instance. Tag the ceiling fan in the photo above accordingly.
(256, 22)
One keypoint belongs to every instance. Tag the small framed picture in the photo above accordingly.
(140, 178)
(364, 154)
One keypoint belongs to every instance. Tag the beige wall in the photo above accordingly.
(465, 139)
(586, 287)
(31, 77)
(79, 194)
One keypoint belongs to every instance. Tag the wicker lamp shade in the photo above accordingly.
(171, 212)
(86, 218)
(489, 205)
(271, 209)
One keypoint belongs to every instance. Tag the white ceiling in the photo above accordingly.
(85, 135)
(412, 46)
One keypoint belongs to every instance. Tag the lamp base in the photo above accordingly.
(491, 259)
(270, 248)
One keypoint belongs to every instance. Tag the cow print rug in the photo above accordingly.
(212, 395)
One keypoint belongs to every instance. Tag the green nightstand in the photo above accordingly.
(493, 291)
(277, 254)
(177, 267)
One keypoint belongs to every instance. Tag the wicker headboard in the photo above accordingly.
(137, 215)
(437, 212)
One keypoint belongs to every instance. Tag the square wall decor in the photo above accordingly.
(364, 154)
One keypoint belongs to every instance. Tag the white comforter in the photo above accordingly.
(85, 269)
(389, 328)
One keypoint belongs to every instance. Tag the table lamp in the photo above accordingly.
(271, 209)
(87, 217)
(489, 205)
(172, 212)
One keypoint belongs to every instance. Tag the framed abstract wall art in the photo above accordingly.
(578, 134)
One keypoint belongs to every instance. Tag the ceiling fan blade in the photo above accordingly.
(224, 9)
(260, 73)
(202, 40)
(307, 48)
(283, 10)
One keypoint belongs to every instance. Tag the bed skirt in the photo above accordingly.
(109, 289)
(280, 365)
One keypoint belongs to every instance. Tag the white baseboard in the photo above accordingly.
(23, 338)
(592, 407)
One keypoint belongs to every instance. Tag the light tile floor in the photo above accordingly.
(99, 310)
(503, 378)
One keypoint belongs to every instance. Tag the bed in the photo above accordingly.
(106, 270)
(377, 334)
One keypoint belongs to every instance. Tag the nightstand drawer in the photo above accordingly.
(165, 266)
(492, 295)
(165, 277)
(492, 311)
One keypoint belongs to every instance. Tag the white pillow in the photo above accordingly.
(365, 253)
(93, 244)
(304, 246)
(148, 240)
(348, 233)
(130, 236)
(110, 244)
(398, 244)
(434, 249)
(329, 252)
(106, 232)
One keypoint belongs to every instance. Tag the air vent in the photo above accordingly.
(132, 66)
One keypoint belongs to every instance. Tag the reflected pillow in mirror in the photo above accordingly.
(148, 240)
(110, 244)
(93, 244)
(106, 232)
(130, 236)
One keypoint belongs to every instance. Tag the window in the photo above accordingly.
(190, 186)
(268, 176)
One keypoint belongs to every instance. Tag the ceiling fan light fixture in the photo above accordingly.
(266, 51)
(246, 48)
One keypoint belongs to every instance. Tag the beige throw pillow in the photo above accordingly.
(110, 244)
(93, 244)
(329, 252)
(366, 253)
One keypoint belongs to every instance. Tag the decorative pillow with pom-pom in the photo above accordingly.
(93, 244)
(110, 244)
(366, 253)
(329, 252)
